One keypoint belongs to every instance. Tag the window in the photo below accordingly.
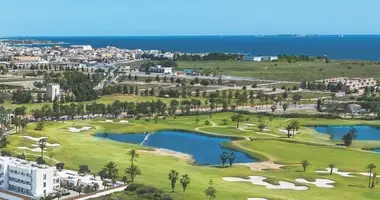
(44, 176)
(44, 184)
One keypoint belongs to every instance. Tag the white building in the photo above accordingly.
(53, 91)
(351, 84)
(72, 178)
(27, 178)
(161, 70)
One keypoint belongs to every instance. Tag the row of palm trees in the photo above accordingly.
(227, 156)
(174, 176)
(292, 127)
(372, 175)
(20, 124)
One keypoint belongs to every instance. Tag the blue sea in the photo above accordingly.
(352, 47)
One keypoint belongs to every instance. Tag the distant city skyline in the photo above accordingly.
(187, 18)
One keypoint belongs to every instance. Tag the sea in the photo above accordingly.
(347, 47)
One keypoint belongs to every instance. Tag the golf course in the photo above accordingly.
(268, 145)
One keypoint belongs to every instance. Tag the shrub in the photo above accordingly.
(207, 122)
(40, 161)
(5, 153)
(131, 187)
(254, 85)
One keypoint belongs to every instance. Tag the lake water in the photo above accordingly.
(364, 132)
(205, 150)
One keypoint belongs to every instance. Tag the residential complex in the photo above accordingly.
(351, 84)
(27, 178)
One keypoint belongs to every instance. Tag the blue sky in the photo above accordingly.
(187, 17)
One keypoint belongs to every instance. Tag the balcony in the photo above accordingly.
(22, 185)
(21, 177)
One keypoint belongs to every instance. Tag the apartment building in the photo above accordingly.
(53, 91)
(27, 178)
(351, 84)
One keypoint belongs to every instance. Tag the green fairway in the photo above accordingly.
(82, 148)
(288, 71)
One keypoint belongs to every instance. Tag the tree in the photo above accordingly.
(42, 145)
(349, 137)
(133, 154)
(305, 164)
(40, 126)
(273, 107)
(4, 141)
(173, 177)
(289, 128)
(210, 191)
(331, 166)
(224, 156)
(237, 118)
(231, 158)
(111, 170)
(124, 179)
(295, 126)
(284, 106)
(84, 169)
(370, 168)
(374, 180)
(133, 171)
(185, 181)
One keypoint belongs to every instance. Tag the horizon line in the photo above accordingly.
(195, 35)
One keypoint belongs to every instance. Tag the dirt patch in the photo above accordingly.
(259, 166)
(166, 152)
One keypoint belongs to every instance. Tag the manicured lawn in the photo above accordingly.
(288, 71)
(82, 148)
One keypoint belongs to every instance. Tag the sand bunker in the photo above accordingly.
(265, 129)
(286, 132)
(259, 166)
(77, 130)
(47, 144)
(336, 171)
(33, 138)
(124, 121)
(366, 174)
(259, 180)
(322, 183)
(30, 149)
(108, 121)
(166, 152)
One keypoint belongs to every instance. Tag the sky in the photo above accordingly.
(187, 17)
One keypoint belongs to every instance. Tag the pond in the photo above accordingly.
(206, 150)
(364, 132)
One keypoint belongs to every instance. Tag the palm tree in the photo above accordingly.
(370, 168)
(133, 154)
(331, 166)
(185, 181)
(173, 177)
(42, 145)
(111, 169)
(305, 164)
(237, 118)
(224, 157)
(231, 158)
(133, 171)
(289, 128)
(23, 123)
(295, 126)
